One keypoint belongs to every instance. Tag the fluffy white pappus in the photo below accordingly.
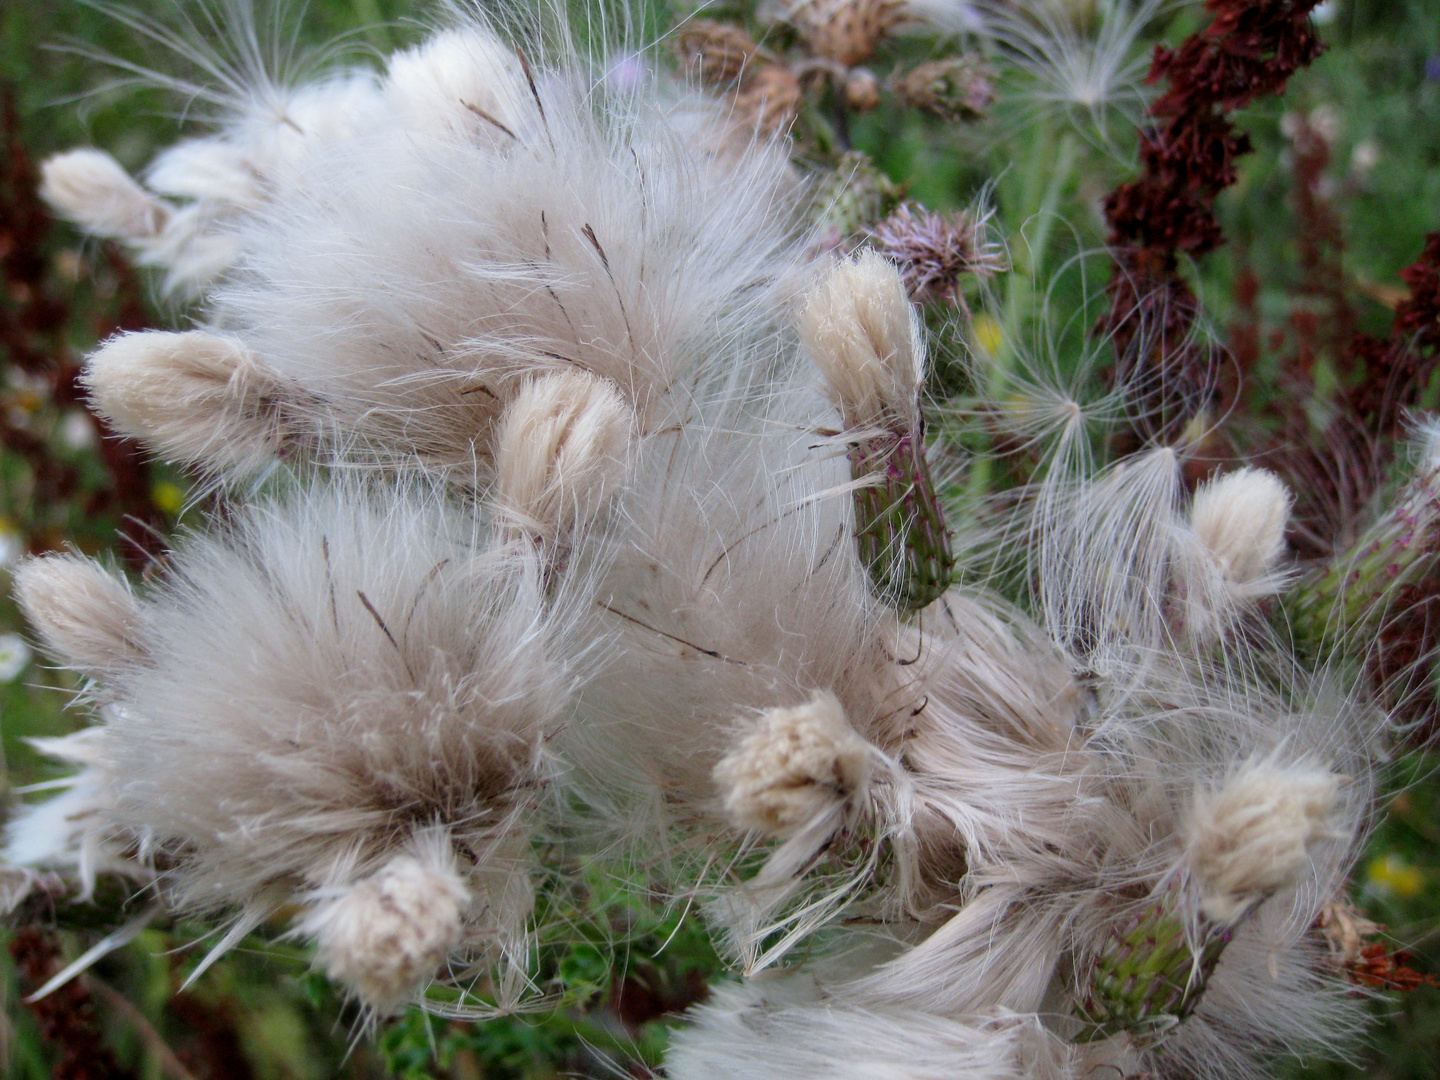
(985, 718)
(262, 147)
(1089, 66)
(411, 284)
(196, 398)
(801, 775)
(729, 582)
(1105, 553)
(90, 189)
(211, 182)
(561, 449)
(1276, 992)
(329, 675)
(791, 766)
(1240, 520)
(860, 328)
(72, 831)
(798, 1028)
(461, 82)
(88, 618)
(1227, 556)
(1253, 835)
(384, 937)
(267, 144)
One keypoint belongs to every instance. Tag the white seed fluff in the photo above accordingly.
(860, 329)
(1240, 518)
(1253, 835)
(560, 450)
(385, 936)
(90, 188)
(195, 397)
(87, 617)
(459, 82)
(793, 766)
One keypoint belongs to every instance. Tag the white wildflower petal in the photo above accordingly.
(12, 545)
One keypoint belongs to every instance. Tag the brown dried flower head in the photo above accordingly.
(847, 31)
(769, 100)
(716, 54)
(862, 90)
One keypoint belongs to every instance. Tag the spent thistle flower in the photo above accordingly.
(935, 251)
(716, 54)
(865, 337)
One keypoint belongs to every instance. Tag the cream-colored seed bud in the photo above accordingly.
(792, 766)
(860, 328)
(1253, 835)
(561, 448)
(195, 397)
(384, 938)
(90, 188)
(1240, 520)
(86, 615)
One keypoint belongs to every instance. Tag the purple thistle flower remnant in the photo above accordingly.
(934, 251)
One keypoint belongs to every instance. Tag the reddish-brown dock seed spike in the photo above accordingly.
(1250, 49)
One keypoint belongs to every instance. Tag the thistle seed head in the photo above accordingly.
(459, 81)
(85, 615)
(847, 31)
(1240, 520)
(560, 450)
(384, 937)
(90, 188)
